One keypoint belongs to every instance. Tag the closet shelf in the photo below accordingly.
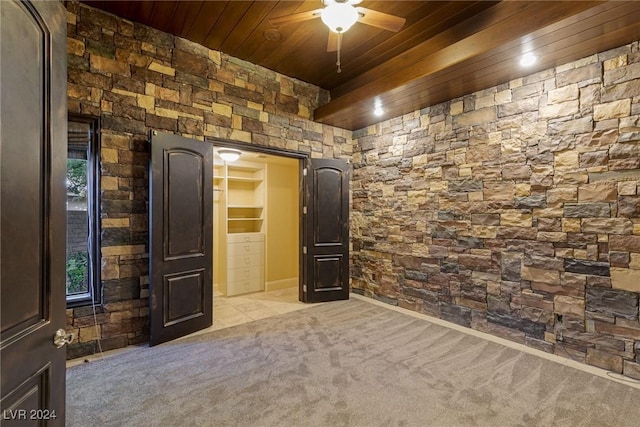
(243, 179)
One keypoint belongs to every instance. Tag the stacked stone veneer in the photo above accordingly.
(514, 210)
(137, 79)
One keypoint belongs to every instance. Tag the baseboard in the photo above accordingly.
(281, 284)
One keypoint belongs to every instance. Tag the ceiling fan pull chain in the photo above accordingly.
(339, 48)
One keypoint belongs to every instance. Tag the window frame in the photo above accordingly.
(94, 296)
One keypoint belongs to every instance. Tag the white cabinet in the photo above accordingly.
(245, 263)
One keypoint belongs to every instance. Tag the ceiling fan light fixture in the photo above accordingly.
(339, 17)
(229, 155)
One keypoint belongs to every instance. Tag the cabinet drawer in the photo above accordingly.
(248, 273)
(248, 260)
(245, 237)
(240, 249)
(244, 286)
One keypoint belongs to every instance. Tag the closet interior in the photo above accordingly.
(256, 223)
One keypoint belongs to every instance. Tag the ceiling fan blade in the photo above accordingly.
(380, 19)
(296, 17)
(332, 43)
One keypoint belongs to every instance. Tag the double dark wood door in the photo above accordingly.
(181, 234)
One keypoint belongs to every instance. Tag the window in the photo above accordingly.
(83, 248)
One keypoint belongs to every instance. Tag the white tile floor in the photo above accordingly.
(232, 311)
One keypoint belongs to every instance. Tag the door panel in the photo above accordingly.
(327, 225)
(33, 113)
(181, 235)
(183, 227)
(24, 229)
(326, 265)
(328, 272)
(183, 296)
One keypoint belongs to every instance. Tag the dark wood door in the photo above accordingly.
(33, 113)
(181, 215)
(326, 231)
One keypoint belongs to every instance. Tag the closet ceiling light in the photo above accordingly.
(229, 155)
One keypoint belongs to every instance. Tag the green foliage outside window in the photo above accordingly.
(77, 273)
(77, 178)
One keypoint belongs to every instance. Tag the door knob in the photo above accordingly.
(61, 338)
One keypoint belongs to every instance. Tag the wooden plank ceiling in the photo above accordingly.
(445, 50)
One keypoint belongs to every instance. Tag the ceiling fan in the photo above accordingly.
(339, 16)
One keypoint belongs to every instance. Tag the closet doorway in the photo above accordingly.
(248, 245)
(256, 233)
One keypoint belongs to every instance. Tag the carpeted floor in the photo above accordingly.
(347, 363)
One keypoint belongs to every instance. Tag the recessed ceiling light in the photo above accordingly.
(377, 107)
(528, 59)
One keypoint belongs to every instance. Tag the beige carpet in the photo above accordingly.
(348, 363)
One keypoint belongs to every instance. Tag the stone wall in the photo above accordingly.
(514, 210)
(136, 79)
